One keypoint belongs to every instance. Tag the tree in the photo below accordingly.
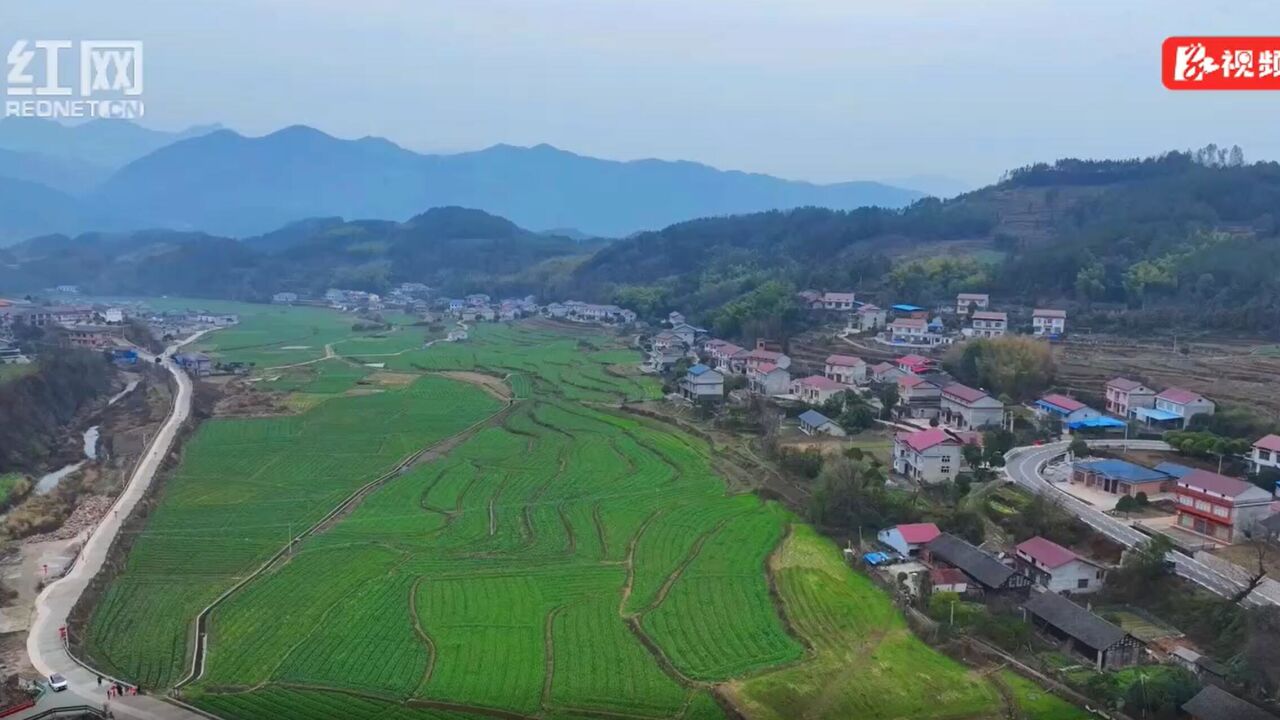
(1126, 504)
(1143, 569)
(1079, 448)
(1141, 499)
(1159, 692)
(1018, 366)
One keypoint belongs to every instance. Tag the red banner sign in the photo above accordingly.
(1221, 63)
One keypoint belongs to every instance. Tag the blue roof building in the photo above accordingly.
(813, 422)
(1120, 477)
(907, 308)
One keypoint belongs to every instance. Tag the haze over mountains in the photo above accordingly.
(113, 175)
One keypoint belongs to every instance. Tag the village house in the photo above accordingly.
(918, 398)
(885, 372)
(284, 298)
(910, 538)
(990, 576)
(195, 363)
(1214, 703)
(967, 302)
(1048, 323)
(10, 355)
(948, 579)
(1063, 408)
(813, 422)
(702, 384)
(1056, 568)
(557, 310)
(968, 408)
(94, 337)
(1222, 508)
(725, 356)
(675, 318)
(988, 323)
(1174, 408)
(456, 335)
(811, 299)
(113, 315)
(217, 319)
(846, 369)
(759, 357)
(686, 332)
(914, 331)
(929, 456)
(1103, 644)
(837, 301)
(456, 305)
(867, 318)
(1265, 454)
(1123, 396)
(816, 389)
(1119, 477)
(915, 364)
(477, 299)
(768, 379)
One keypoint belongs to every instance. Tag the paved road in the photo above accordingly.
(1025, 465)
(44, 644)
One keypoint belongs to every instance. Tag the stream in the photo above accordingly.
(48, 482)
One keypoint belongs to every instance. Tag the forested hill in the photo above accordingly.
(1185, 239)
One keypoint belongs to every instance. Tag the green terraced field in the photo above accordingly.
(565, 561)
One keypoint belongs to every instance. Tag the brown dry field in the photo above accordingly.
(1229, 371)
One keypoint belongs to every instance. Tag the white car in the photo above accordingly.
(57, 683)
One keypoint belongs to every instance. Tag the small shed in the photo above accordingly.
(1214, 703)
(813, 422)
(1102, 643)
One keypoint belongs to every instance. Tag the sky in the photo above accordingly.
(819, 90)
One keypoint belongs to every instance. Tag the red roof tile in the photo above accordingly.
(947, 576)
(766, 368)
(1069, 404)
(913, 360)
(1124, 384)
(990, 315)
(1269, 442)
(845, 360)
(1046, 552)
(922, 440)
(821, 382)
(1213, 482)
(1048, 313)
(918, 533)
(963, 393)
(1179, 396)
(910, 381)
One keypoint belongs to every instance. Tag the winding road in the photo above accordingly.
(1025, 466)
(53, 605)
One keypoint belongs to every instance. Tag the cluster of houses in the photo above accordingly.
(94, 327)
(589, 312)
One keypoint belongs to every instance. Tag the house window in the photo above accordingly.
(1264, 454)
(945, 470)
(1082, 583)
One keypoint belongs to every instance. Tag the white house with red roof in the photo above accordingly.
(1174, 408)
(930, 456)
(1223, 508)
(867, 318)
(988, 323)
(816, 389)
(1265, 454)
(1064, 408)
(768, 379)
(847, 369)
(967, 408)
(885, 372)
(918, 398)
(837, 301)
(917, 364)
(1124, 395)
(1056, 568)
(1046, 322)
(726, 357)
(909, 538)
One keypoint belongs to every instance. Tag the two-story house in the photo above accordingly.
(1065, 409)
(915, 364)
(726, 357)
(1056, 568)
(847, 369)
(911, 331)
(1174, 408)
(768, 379)
(867, 318)
(837, 301)
(969, 302)
(968, 408)
(1265, 454)
(1046, 322)
(1220, 507)
(929, 456)
(702, 384)
(885, 372)
(918, 398)
(988, 323)
(1124, 395)
(909, 538)
(816, 389)
(760, 356)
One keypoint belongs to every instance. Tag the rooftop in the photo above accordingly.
(699, 369)
(838, 297)
(821, 382)
(1214, 703)
(990, 315)
(1070, 405)
(1124, 384)
(911, 381)
(1215, 483)
(973, 296)
(979, 565)
(845, 360)
(913, 360)
(1048, 313)
(1074, 620)
(1046, 552)
(813, 418)
(910, 322)
(1122, 470)
(964, 393)
(1268, 442)
(922, 440)
(1180, 396)
(904, 307)
(1173, 469)
(918, 532)
(948, 576)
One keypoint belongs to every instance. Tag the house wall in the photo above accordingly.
(940, 463)
(1076, 576)
(894, 539)
(848, 375)
(1260, 459)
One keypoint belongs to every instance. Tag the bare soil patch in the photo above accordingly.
(496, 387)
(391, 379)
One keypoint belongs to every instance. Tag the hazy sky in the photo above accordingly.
(821, 90)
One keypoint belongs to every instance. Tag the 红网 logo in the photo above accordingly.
(66, 79)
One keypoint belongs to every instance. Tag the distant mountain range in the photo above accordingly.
(113, 176)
